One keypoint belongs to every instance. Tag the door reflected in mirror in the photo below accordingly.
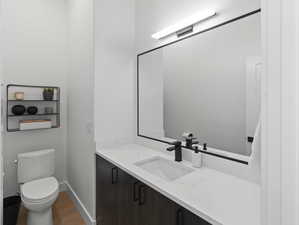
(208, 84)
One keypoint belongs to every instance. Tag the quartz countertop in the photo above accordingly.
(219, 198)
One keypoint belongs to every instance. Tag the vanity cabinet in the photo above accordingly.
(114, 198)
(106, 198)
(123, 200)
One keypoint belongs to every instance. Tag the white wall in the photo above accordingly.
(114, 71)
(1, 123)
(280, 162)
(37, 44)
(35, 53)
(81, 145)
(152, 16)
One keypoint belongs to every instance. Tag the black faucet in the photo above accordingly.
(190, 140)
(178, 150)
(205, 147)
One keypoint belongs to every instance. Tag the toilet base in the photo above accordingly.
(40, 218)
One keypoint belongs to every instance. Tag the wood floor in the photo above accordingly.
(64, 212)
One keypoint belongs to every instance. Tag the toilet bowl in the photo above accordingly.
(39, 189)
(38, 196)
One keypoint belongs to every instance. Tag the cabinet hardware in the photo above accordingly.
(180, 217)
(135, 194)
(142, 194)
(250, 139)
(114, 175)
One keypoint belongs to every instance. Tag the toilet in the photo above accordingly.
(38, 187)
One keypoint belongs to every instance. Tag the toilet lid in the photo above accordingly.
(40, 189)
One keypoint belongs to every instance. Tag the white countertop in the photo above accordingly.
(217, 197)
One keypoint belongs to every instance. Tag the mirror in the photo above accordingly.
(207, 84)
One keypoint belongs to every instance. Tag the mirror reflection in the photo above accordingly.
(208, 84)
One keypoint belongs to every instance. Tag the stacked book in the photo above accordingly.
(35, 124)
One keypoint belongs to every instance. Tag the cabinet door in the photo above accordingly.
(165, 210)
(107, 192)
(127, 198)
(145, 205)
(185, 217)
(154, 208)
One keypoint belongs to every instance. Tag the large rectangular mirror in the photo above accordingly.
(207, 84)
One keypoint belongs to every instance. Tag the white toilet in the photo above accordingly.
(39, 189)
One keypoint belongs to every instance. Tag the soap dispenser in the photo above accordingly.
(196, 158)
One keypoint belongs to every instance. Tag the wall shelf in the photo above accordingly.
(25, 115)
(16, 130)
(35, 98)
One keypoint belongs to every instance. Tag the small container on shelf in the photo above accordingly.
(19, 96)
(49, 110)
(32, 110)
(48, 94)
(18, 110)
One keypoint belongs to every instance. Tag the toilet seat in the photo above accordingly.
(39, 191)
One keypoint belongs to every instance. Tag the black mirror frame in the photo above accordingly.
(171, 43)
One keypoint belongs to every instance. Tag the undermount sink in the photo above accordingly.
(163, 168)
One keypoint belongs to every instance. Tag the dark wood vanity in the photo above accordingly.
(123, 200)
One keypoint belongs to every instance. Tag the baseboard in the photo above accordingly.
(63, 187)
(81, 208)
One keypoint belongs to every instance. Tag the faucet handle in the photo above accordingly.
(205, 147)
(170, 149)
(176, 144)
(190, 139)
(188, 135)
(195, 142)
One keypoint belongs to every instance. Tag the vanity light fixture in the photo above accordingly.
(185, 26)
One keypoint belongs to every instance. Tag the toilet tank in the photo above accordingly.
(36, 165)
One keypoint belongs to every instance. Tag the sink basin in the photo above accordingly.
(163, 168)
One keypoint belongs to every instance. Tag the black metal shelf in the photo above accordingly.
(16, 130)
(11, 119)
(33, 100)
(48, 114)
